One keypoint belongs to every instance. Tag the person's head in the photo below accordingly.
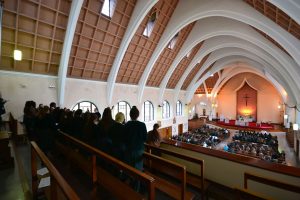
(106, 116)
(98, 114)
(52, 105)
(78, 113)
(134, 113)
(155, 126)
(120, 117)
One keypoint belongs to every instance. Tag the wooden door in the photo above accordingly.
(165, 133)
(180, 129)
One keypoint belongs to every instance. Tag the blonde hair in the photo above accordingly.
(120, 117)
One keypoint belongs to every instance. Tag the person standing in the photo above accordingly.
(2, 110)
(135, 137)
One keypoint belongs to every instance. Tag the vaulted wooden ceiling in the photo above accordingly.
(38, 27)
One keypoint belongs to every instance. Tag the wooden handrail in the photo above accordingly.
(184, 157)
(56, 177)
(245, 160)
(125, 167)
(173, 165)
(270, 182)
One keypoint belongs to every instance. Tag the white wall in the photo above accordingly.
(196, 102)
(20, 87)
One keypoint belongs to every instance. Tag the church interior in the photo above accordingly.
(160, 99)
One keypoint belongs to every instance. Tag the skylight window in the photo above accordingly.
(108, 7)
(172, 43)
(189, 53)
(150, 25)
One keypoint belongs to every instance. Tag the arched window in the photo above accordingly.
(86, 106)
(123, 107)
(150, 25)
(178, 108)
(166, 110)
(108, 7)
(148, 111)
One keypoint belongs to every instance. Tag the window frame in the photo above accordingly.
(92, 106)
(112, 4)
(151, 111)
(150, 25)
(166, 108)
(127, 110)
(173, 41)
(179, 111)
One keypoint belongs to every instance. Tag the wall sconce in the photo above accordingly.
(295, 127)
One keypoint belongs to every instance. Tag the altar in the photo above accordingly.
(249, 123)
(244, 121)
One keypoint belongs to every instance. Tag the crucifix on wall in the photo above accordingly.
(246, 97)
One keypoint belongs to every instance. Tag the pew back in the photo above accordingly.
(98, 174)
(57, 181)
(192, 179)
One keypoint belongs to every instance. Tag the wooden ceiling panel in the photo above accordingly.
(184, 63)
(200, 90)
(37, 28)
(97, 39)
(211, 81)
(276, 15)
(143, 46)
(192, 74)
(167, 57)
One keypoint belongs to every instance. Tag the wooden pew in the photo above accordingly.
(270, 182)
(57, 181)
(17, 130)
(100, 176)
(191, 179)
(155, 165)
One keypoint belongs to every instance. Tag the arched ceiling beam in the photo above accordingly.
(140, 11)
(241, 68)
(230, 9)
(243, 57)
(211, 27)
(265, 60)
(64, 59)
(216, 39)
(214, 45)
(291, 8)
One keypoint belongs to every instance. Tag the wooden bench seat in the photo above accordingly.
(175, 184)
(18, 131)
(106, 180)
(196, 181)
(169, 188)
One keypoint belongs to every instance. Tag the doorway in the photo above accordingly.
(180, 129)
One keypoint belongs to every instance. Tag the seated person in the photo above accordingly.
(153, 137)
